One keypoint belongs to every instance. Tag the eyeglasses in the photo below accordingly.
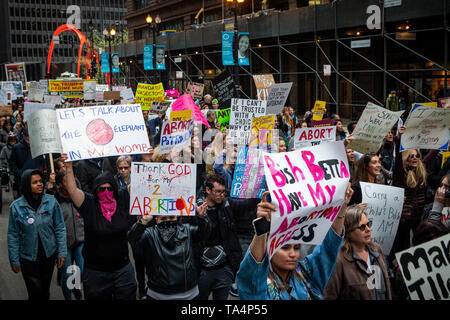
(219, 191)
(363, 226)
(414, 156)
(124, 168)
(102, 189)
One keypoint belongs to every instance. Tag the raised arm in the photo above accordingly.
(76, 194)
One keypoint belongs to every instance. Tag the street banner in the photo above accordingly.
(159, 106)
(36, 92)
(227, 48)
(278, 95)
(223, 118)
(224, 88)
(248, 181)
(102, 131)
(177, 133)
(147, 93)
(31, 107)
(160, 57)
(163, 189)
(372, 127)
(243, 48)
(104, 58)
(115, 68)
(52, 99)
(426, 128)
(13, 87)
(44, 133)
(322, 123)
(426, 269)
(308, 137)
(444, 102)
(242, 113)
(89, 90)
(307, 187)
(195, 90)
(319, 110)
(263, 82)
(148, 57)
(16, 72)
(384, 208)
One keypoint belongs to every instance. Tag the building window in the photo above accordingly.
(138, 34)
(140, 4)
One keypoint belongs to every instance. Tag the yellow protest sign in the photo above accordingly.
(147, 93)
(445, 156)
(181, 115)
(429, 104)
(319, 110)
(65, 85)
(262, 131)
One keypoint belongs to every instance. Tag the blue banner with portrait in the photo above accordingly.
(227, 48)
(105, 62)
(243, 48)
(160, 57)
(148, 57)
(115, 63)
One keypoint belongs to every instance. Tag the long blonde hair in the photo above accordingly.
(415, 176)
(353, 216)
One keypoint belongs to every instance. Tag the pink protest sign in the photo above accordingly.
(307, 187)
(185, 102)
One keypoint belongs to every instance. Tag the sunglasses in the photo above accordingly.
(363, 226)
(414, 156)
(102, 189)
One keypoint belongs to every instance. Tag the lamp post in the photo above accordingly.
(235, 9)
(109, 35)
(153, 25)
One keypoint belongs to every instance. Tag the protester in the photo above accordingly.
(5, 154)
(359, 259)
(284, 277)
(369, 167)
(5, 131)
(124, 170)
(392, 101)
(433, 211)
(108, 273)
(36, 235)
(352, 165)
(340, 132)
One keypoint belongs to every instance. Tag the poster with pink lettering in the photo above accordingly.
(162, 189)
(102, 131)
(307, 137)
(307, 187)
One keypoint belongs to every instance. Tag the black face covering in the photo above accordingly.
(167, 230)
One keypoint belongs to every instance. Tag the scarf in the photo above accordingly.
(108, 204)
(167, 230)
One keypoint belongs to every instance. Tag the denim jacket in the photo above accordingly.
(25, 224)
(316, 270)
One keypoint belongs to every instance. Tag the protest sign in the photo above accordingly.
(444, 102)
(6, 110)
(195, 90)
(322, 123)
(185, 102)
(89, 90)
(119, 88)
(127, 94)
(52, 99)
(44, 85)
(102, 131)
(67, 88)
(445, 156)
(30, 107)
(223, 118)
(445, 218)
(249, 182)
(181, 115)
(372, 127)
(175, 134)
(163, 189)
(147, 93)
(278, 95)
(159, 106)
(319, 110)
(307, 137)
(307, 187)
(263, 82)
(14, 87)
(100, 89)
(16, 72)
(429, 104)
(426, 269)
(242, 113)
(44, 133)
(426, 128)
(111, 95)
(3, 97)
(384, 208)
(224, 88)
(35, 92)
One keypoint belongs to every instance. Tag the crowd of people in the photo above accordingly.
(77, 218)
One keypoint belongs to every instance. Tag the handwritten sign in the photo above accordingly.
(195, 90)
(223, 118)
(100, 89)
(44, 133)
(14, 87)
(147, 93)
(307, 137)
(159, 106)
(319, 110)
(242, 113)
(162, 189)
(102, 131)
(444, 102)
(67, 88)
(445, 218)
(176, 134)
(322, 123)
(90, 90)
(36, 92)
(384, 208)
(307, 187)
(4, 97)
(127, 94)
(278, 95)
(224, 88)
(372, 127)
(248, 181)
(263, 82)
(52, 99)
(426, 269)
(426, 128)
(31, 107)
(445, 156)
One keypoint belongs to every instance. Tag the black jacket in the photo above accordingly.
(171, 268)
(21, 159)
(87, 171)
